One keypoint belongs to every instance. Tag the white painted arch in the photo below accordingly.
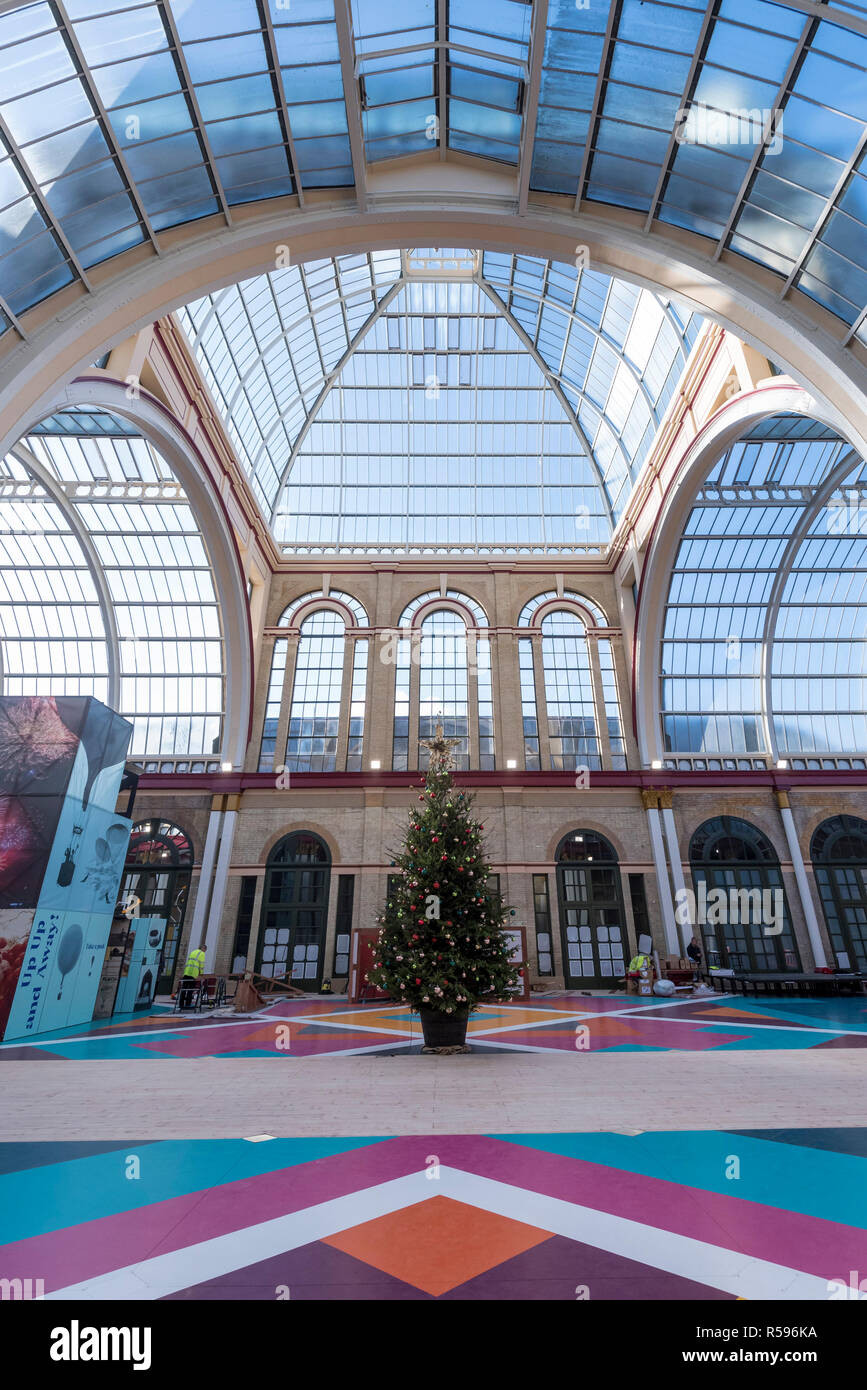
(471, 208)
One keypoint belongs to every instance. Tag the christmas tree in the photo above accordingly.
(441, 941)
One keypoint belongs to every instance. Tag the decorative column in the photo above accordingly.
(674, 859)
(206, 874)
(221, 878)
(809, 910)
(650, 801)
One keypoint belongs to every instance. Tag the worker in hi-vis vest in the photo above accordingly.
(193, 970)
(195, 965)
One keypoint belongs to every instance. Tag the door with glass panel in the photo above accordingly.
(156, 883)
(295, 911)
(592, 920)
(839, 854)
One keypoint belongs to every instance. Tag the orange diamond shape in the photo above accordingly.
(437, 1244)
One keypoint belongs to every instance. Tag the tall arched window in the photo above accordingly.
(295, 910)
(159, 865)
(569, 690)
(317, 692)
(739, 892)
(314, 715)
(443, 674)
(839, 854)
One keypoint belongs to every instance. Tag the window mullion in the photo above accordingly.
(415, 640)
(286, 702)
(345, 701)
(602, 738)
(474, 758)
(541, 703)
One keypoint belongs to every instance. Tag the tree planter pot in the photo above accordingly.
(444, 1030)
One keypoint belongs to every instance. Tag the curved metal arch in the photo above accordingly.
(559, 605)
(794, 334)
(758, 836)
(91, 557)
(455, 596)
(585, 830)
(162, 430)
(569, 597)
(338, 598)
(810, 511)
(833, 832)
(323, 604)
(295, 834)
(725, 427)
(444, 605)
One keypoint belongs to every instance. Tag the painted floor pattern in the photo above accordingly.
(317, 1026)
(710, 1215)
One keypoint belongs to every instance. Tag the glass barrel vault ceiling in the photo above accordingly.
(742, 121)
(440, 400)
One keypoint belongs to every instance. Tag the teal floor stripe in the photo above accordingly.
(816, 1182)
(37, 1200)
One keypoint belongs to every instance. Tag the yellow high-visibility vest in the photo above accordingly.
(195, 964)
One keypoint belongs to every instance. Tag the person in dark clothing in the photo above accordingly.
(693, 950)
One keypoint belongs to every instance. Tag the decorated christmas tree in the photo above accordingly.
(441, 942)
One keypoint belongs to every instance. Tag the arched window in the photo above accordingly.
(762, 649)
(319, 727)
(592, 920)
(568, 673)
(158, 867)
(107, 585)
(741, 906)
(839, 854)
(314, 715)
(295, 910)
(443, 675)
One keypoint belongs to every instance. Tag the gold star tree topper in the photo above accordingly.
(440, 747)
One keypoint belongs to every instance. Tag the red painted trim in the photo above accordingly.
(102, 379)
(232, 783)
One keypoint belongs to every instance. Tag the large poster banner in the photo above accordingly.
(62, 851)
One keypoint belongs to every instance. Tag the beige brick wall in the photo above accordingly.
(523, 829)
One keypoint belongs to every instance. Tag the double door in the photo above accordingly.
(592, 924)
(295, 912)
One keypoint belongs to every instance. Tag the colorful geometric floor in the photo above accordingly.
(568, 1022)
(711, 1215)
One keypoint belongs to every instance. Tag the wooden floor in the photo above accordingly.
(404, 1095)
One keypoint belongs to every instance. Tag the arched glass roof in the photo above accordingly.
(105, 585)
(742, 121)
(447, 399)
(765, 624)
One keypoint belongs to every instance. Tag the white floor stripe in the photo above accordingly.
(728, 1270)
(208, 1259)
